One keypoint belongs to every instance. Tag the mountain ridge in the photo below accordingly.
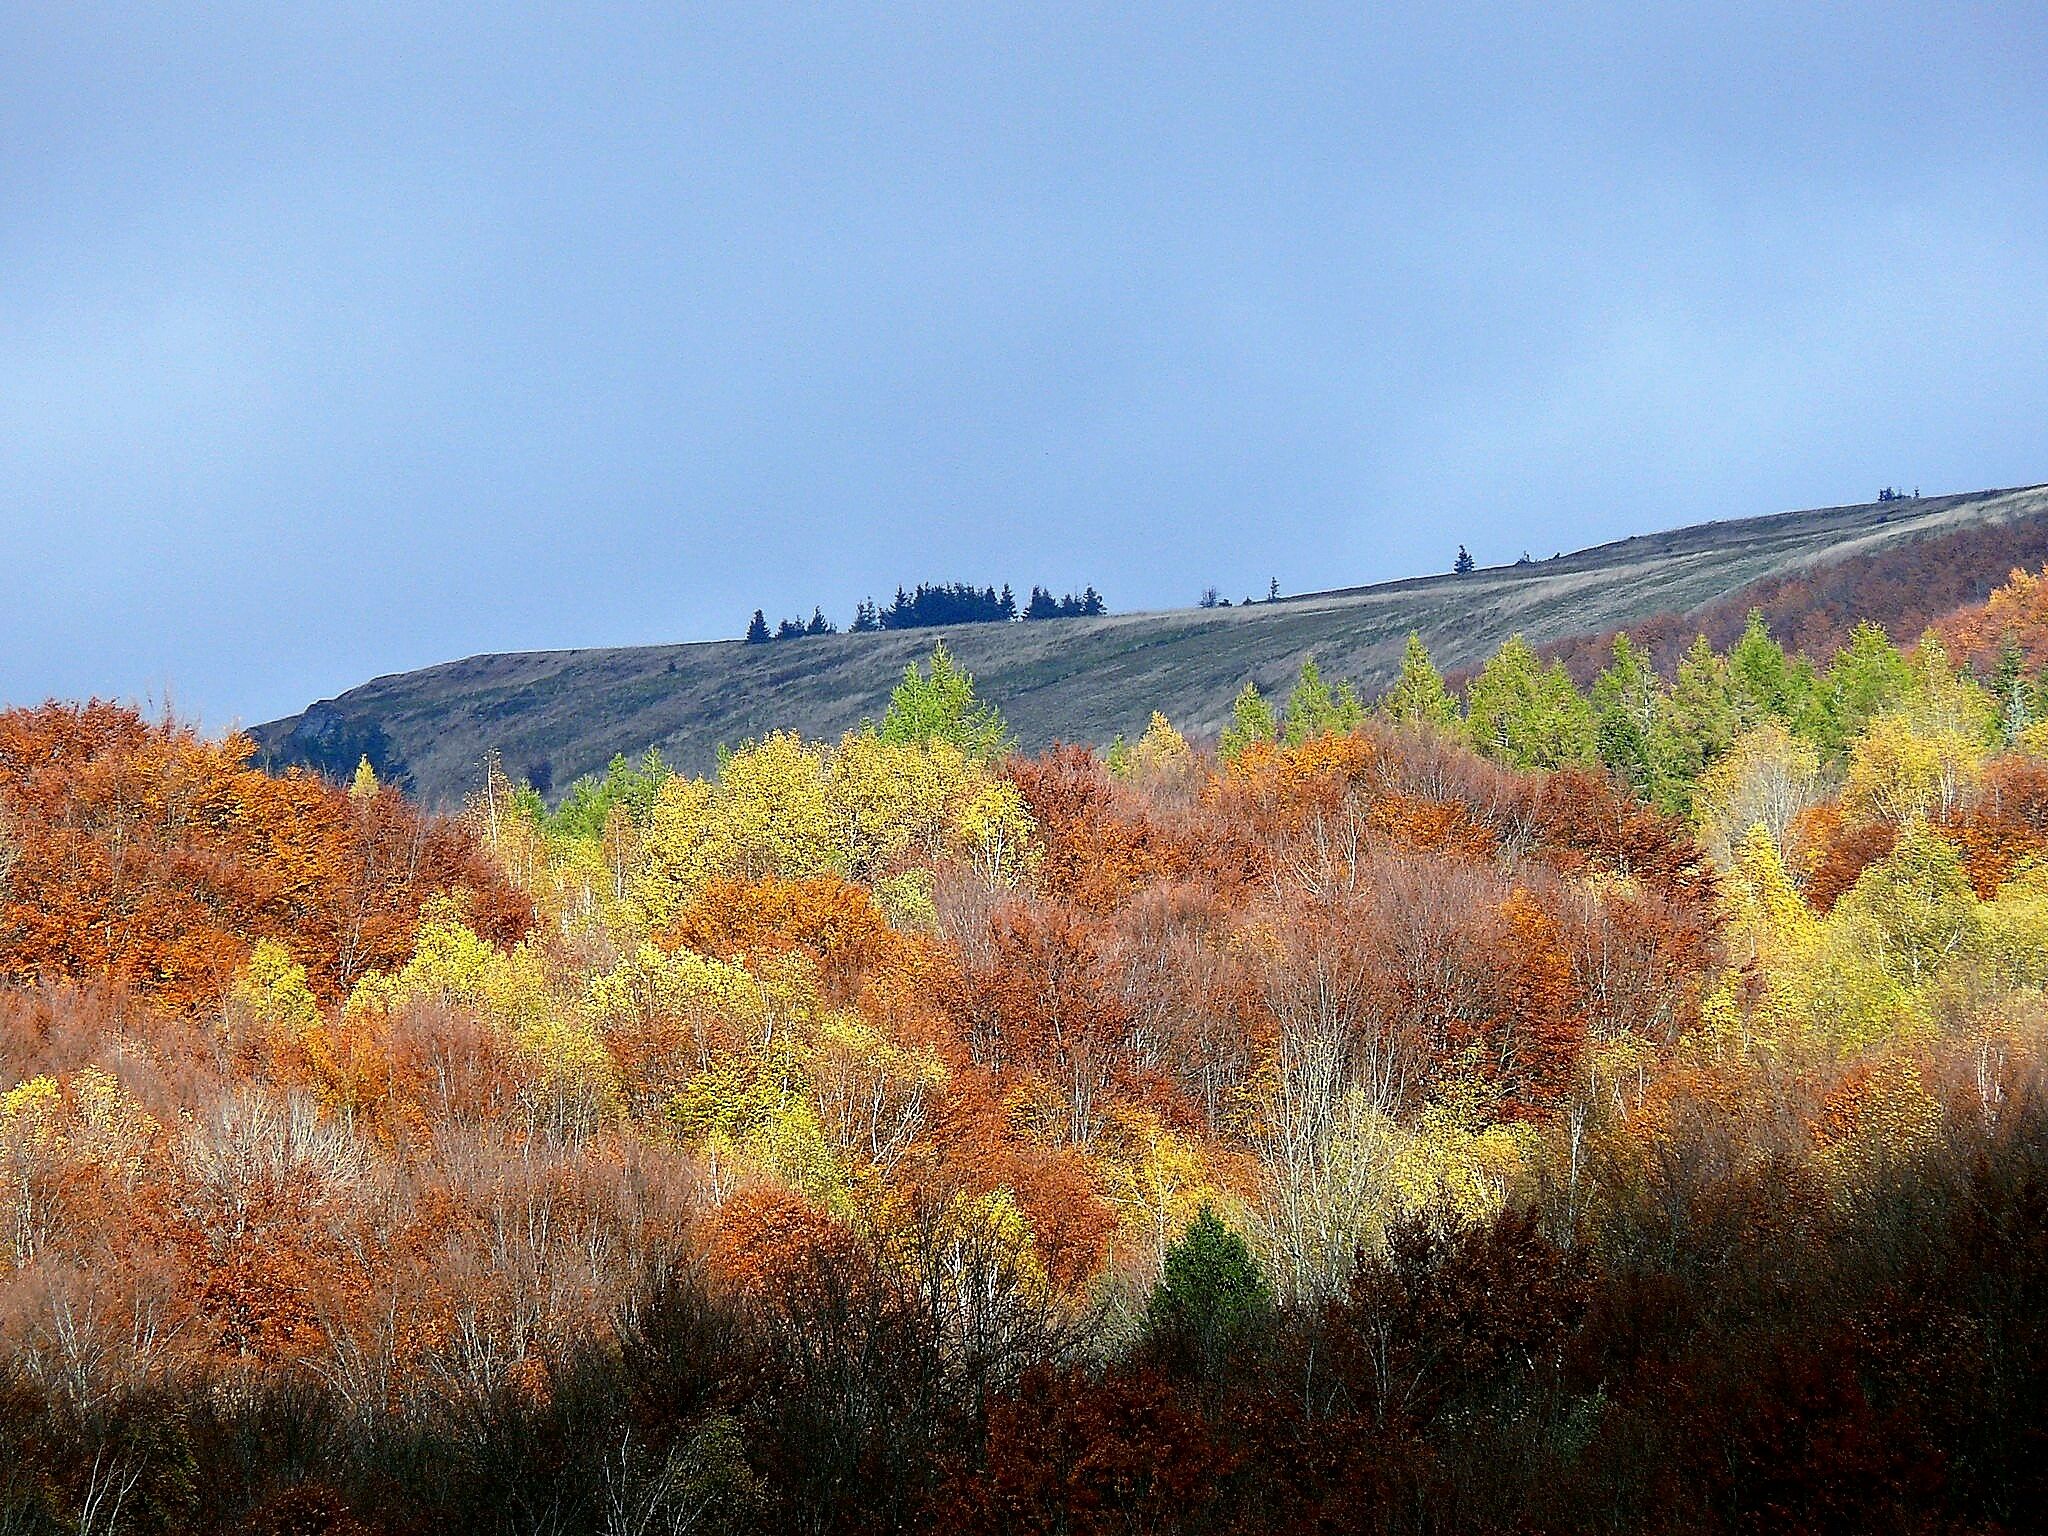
(556, 714)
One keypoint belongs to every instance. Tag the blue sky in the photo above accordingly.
(338, 343)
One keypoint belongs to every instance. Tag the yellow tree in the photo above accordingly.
(1899, 769)
(1766, 779)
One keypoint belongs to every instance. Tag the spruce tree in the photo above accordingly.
(1525, 715)
(1418, 696)
(1626, 699)
(2009, 688)
(1211, 1297)
(940, 705)
(757, 632)
(1251, 721)
(1311, 707)
(1696, 725)
(1762, 680)
(1868, 677)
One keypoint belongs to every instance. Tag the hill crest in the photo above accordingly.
(554, 715)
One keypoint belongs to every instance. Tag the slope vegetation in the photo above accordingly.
(554, 715)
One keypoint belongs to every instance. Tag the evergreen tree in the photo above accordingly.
(1092, 606)
(1251, 721)
(788, 629)
(1311, 707)
(1006, 605)
(1696, 726)
(1868, 677)
(757, 632)
(1349, 712)
(1525, 715)
(1043, 605)
(819, 625)
(1464, 564)
(954, 602)
(1418, 696)
(2009, 689)
(1762, 680)
(628, 786)
(940, 705)
(1626, 699)
(1211, 1298)
(1315, 709)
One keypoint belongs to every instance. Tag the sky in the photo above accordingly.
(337, 340)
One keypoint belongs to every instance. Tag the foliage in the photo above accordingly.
(1418, 695)
(145, 857)
(1210, 1292)
(1525, 715)
(939, 704)
(1345, 1127)
(1251, 722)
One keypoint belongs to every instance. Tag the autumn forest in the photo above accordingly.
(1602, 1097)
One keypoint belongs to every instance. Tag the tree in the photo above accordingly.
(1764, 781)
(1898, 771)
(1919, 900)
(364, 785)
(1944, 700)
(819, 624)
(1696, 725)
(757, 631)
(1311, 707)
(939, 704)
(1525, 715)
(1625, 700)
(586, 810)
(1867, 678)
(1161, 752)
(1762, 680)
(1464, 564)
(2009, 690)
(767, 815)
(953, 602)
(1418, 696)
(867, 618)
(1251, 720)
(1211, 1293)
(1273, 590)
(142, 856)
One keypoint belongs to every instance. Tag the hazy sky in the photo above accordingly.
(343, 342)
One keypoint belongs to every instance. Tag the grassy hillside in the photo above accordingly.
(557, 714)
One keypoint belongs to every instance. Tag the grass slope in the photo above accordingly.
(556, 714)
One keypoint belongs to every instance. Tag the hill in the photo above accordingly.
(556, 714)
